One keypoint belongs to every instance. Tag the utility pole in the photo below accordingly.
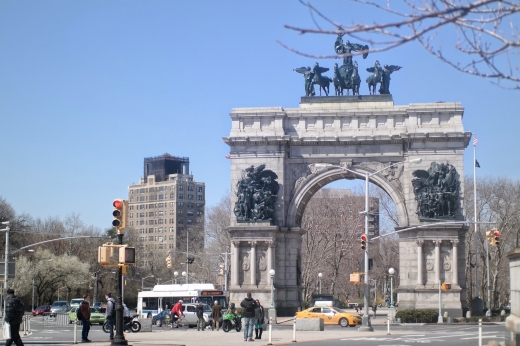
(6, 265)
(226, 271)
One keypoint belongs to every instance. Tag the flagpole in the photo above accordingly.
(475, 206)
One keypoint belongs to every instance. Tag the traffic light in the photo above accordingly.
(496, 234)
(127, 255)
(190, 260)
(490, 236)
(169, 261)
(104, 255)
(120, 214)
(363, 242)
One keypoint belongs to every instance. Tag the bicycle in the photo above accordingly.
(181, 323)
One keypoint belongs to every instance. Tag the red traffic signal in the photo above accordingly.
(120, 214)
(364, 242)
(496, 240)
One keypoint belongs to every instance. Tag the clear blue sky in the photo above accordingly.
(90, 88)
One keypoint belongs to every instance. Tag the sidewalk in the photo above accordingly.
(280, 336)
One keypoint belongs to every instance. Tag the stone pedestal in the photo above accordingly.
(256, 249)
(426, 257)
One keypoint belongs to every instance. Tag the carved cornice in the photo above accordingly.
(419, 243)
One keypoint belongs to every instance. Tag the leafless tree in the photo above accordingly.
(485, 33)
(497, 202)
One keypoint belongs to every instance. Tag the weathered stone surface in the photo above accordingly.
(310, 324)
(364, 134)
(146, 324)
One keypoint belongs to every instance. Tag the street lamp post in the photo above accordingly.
(185, 275)
(142, 281)
(175, 275)
(272, 309)
(365, 320)
(391, 313)
(319, 281)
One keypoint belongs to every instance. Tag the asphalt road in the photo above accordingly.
(459, 335)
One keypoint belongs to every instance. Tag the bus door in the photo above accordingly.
(159, 305)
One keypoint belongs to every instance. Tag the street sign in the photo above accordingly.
(11, 268)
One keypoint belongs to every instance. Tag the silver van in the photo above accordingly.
(59, 306)
(76, 302)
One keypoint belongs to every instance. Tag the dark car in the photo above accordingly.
(158, 319)
(40, 310)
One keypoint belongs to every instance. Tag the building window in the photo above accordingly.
(180, 221)
(141, 199)
(180, 204)
(190, 213)
(189, 221)
(181, 196)
(161, 188)
(190, 187)
(160, 221)
(181, 187)
(190, 196)
(199, 189)
(141, 191)
(180, 212)
(141, 222)
(172, 195)
(199, 197)
(161, 196)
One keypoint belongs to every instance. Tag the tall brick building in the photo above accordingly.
(166, 207)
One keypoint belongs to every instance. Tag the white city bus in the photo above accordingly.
(150, 303)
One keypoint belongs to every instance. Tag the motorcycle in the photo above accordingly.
(130, 325)
(230, 321)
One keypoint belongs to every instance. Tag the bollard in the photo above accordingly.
(294, 331)
(480, 332)
(75, 333)
(270, 329)
(388, 325)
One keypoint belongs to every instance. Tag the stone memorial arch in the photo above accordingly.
(274, 152)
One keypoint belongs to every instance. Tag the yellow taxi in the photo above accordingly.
(331, 315)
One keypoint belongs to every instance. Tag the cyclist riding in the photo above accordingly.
(176, 311)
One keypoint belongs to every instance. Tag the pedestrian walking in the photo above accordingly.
(249, 306)
(374, 308)
(14, 311)
(83, 315)
(216, 314)
(110, 314)
(201, 325)
(259, 316)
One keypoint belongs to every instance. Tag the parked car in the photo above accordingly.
(96, 316)
(331, 315)
(40, 310)
(59, 306)
(76, 302)
(190, 313)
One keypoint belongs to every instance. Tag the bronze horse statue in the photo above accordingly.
(322, 81)
(346, 77)
(374, 78)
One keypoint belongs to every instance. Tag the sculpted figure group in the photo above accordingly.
(346, 76)
(437, 191)
(256, 193)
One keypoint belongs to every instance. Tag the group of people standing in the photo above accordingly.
(253, 316)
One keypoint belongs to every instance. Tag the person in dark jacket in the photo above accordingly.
(110, 315)
(216, 314)
(14, 311)
(199, 309)
(84, 316)
(259, 315)
(249, 306)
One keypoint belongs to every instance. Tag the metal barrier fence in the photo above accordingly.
(56, 319)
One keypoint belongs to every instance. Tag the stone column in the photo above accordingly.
(420, 280)
(270, 259)
(437, 260)
(454, 262)
(234, 262)
(253, 262)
